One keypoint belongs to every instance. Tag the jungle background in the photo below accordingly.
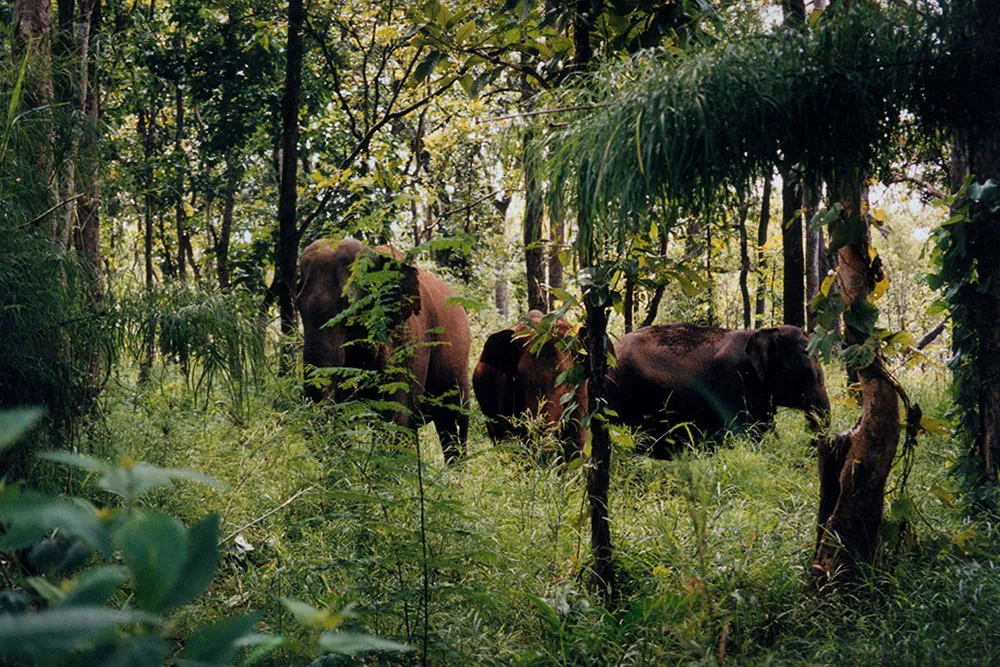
(168, 495)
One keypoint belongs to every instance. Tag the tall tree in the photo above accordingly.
(287, 247)
(793, 281)
(762, 224)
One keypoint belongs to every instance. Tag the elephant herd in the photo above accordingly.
(665, 380)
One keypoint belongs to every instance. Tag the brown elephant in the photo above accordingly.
(437, 385)
(514, 380)
(714, 379)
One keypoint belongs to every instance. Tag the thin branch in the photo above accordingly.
(541, 112)
(50, 210)
(263, 516)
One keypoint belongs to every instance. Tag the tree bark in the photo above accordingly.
(88, 230)
(286, 253)
(599, 472)
(793, 285)
(816, 264)
(180, 218)
(741, 225)
(557, 238)
(976, 151)
(226, 229)
(534, 253)
(854, 465)
(765, 220)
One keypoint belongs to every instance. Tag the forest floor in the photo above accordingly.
(713, 548)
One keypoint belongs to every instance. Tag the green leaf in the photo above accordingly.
(15, 423)
(938, 307)
(31, 514)
(465, 31)
(129, 480)
(427, 66)
(132, 650)
(311, 617)
(46, 635)
(218, 644)
(548, 613)
(824, 217)
(154, 548)
(95, 587)
(859, 356)
(861, 316)
(353, 643)
(200, 565)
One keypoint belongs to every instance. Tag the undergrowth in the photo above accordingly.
(714, 546)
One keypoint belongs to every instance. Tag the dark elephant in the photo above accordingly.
(513, 381)
(439, 332)
(713, 379)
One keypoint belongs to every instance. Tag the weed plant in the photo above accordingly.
(714, 546)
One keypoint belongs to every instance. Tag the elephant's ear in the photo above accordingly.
(503, 352)
(762, 348)
(410, 290)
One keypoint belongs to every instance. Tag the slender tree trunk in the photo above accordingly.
(557, 234)
(628, 303)
(710, 292)
(744, 263)
(854, 465)
(286, 254)
(145, 131)
(88, 232)
(534, 253)
(765, 220)
(816, 266)
(793, 291)
(226, 229)
(180, 218)
(654, 302)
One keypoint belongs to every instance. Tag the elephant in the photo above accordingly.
(716, 380)
(437, 384)
(512, 380)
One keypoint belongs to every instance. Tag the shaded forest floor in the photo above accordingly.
(713, 548)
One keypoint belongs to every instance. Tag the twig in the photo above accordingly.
(50, 210)
(540, 112)
(263, 516)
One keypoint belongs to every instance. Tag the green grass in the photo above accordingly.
(710, 544)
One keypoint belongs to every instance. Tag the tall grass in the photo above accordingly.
(714, 546)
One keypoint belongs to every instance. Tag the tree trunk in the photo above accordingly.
(557, 235)
(628, 303)
(654, 302)
(765, 220)
(976, 151)
(183, 240)
(816, 265)
(534, 253)
(286, 253)
(793, 286)
(744, 263)
(88, 231)
(599, 472)
(226, 229)
(853, 467)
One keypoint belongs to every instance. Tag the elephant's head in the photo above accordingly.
(332, 278)
(788, 373)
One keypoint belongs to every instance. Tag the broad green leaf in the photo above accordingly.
(132, 650)
(130, 480)
(827, 284)
(548, 613)
(17, 422)
(465, 31)
(935, 426)
(46, 635)
(218, 644)
(859, 356)
(311, 617)
(861, 316)
(353, 643)
(938, 307)
(154, 548)
(30, 515)
(95, 587)
(201, 562)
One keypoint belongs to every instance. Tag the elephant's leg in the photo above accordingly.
(452, 425)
